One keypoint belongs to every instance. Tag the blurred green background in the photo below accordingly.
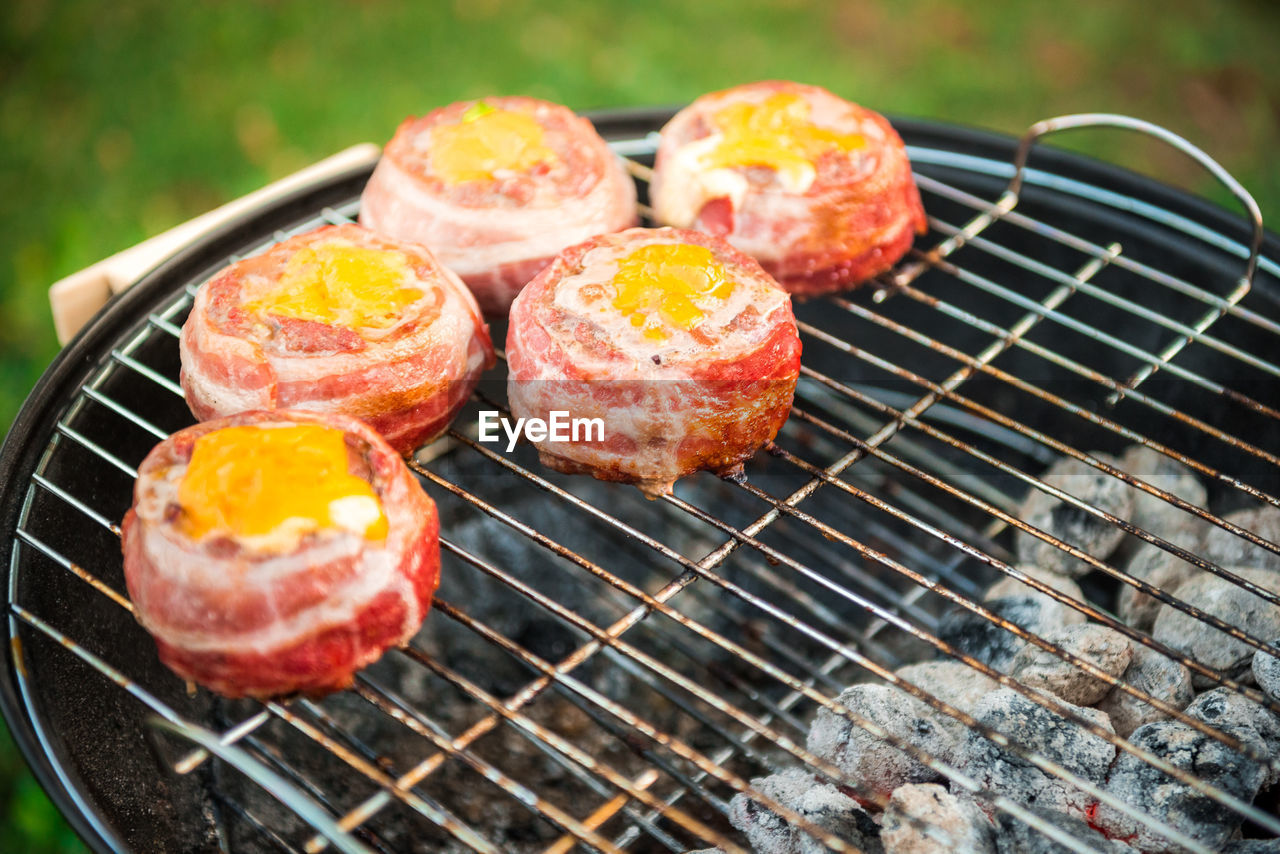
(118, 120)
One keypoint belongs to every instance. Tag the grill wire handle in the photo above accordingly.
(271, 782)
(1115, 120)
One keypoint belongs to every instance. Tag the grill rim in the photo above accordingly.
(66, 375)
(20, 456)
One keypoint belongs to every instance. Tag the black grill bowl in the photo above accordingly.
(88, 739)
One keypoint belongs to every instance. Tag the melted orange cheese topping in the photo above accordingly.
(270, 482)
(668, 285)
(342, 285)
(486, 141)
(776, 133)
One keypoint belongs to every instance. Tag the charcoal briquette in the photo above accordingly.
(1014, 836)
(872, 760)
(976, 636)
(1232, 604)
(1104, 648)
(819, 802)
(1072, 524)
(1226, 549)
(1266, 670)
(1252, 846)
(1237, 715)
(1010, 586)
(1154, 674)
(1171, 802)
(961, 824)
(1152, 513)
(1158, 568)
(953, 682)
(1039, 730)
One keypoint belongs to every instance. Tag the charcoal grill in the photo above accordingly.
(604, 673)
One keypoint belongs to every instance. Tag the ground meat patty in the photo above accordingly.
(496, 188)
(683, 347)
(275, 552)
(817, 189)
(339, 319)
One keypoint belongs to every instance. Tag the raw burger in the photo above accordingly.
(683, 347)
(815, 188)
(496, 188)
(276, 552)
(337, 320)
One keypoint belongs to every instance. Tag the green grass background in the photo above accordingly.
(120, 119)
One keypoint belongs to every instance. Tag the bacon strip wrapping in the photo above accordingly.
(244, 621)
(826, 225)
(407, 379)
(705, 398)
(498, 231)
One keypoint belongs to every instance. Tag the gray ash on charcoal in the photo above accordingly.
(1014, 836)
(1252, 846)
(1104, 648)
(1226, 549)
(819, 802)
(1147, 561)
(953, 682)
(1036, 728)
(1155, 675)
(1011, 600)
(1155, 515)
(1233, 605)
(872, 760)
(1008, 586)
(1172, 802)
(1070, 523)
(1156, 567)
(919, 798)
(1266, 670)
(977, 636)
(1241, 717)
(960, 824)
(1161, 569)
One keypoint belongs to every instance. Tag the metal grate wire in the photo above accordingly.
(737, 625)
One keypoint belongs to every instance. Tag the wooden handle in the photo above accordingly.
(78, 297)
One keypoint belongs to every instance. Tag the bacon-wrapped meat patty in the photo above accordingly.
(339, 319)
(682, 346)
(817, 189)
(275, 552)
(496, 188)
